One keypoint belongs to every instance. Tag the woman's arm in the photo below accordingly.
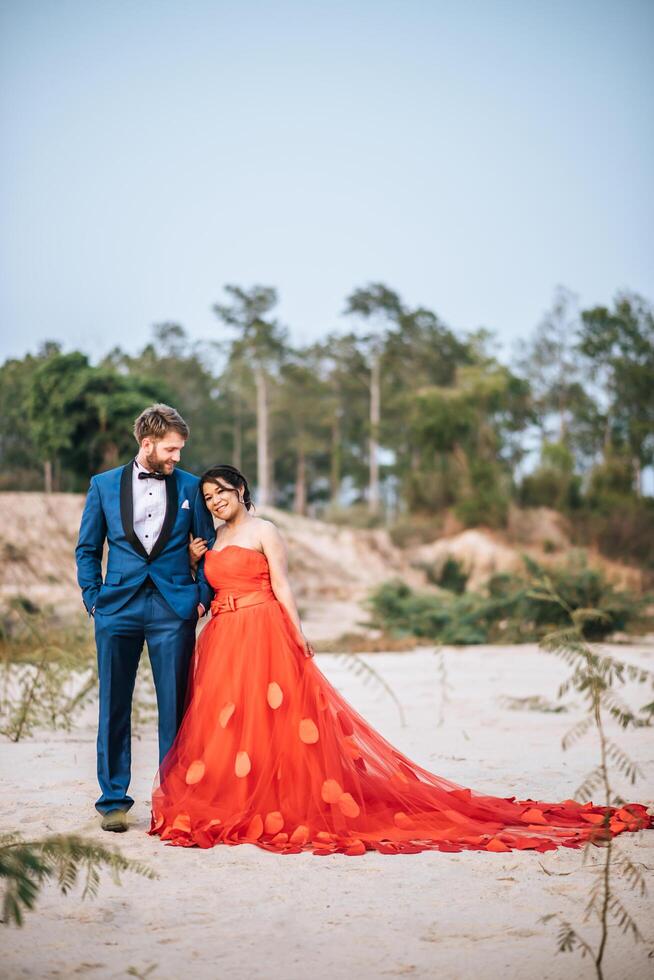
(197, 547)
(275, 551)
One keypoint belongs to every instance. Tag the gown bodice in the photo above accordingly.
(237, 570)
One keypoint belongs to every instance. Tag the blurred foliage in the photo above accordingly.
(48, 673)
(28, 633)
(510, 612)
(568, 425)
(554, 482)
(596, 677)
(47, 670)
(451, 575)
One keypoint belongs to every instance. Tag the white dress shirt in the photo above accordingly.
(149, 499)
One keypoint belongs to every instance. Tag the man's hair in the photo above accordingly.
(156, 420)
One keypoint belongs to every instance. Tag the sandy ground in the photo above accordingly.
(243, 913)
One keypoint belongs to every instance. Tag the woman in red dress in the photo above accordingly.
(269, 753)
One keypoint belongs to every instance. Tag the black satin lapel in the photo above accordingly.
(169, 518)
(127, 510)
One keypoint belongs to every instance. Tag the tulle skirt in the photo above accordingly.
(269, 753)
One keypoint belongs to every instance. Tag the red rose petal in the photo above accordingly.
(331, 791)
(274, 822)
(345, 723)
(255, 828)
(351, 748)
(594, 818)
(275, 695)
(461, 794)
(348, 806)
(308, 731)
(533, 816)
(300, 835)
(226, 713)
(195, 772)
(408, 772)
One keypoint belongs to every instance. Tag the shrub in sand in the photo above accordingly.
(48, 673)
(595, 677)
(509, 612)
(48, 670)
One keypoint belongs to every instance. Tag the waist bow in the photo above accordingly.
(230, 602)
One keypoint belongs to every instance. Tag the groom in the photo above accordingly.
(146, 511)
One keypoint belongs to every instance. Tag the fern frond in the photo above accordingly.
(568, 939)
(618, 708)
(623, 918)
(582, 616)
(624, 763)
(26, 865)
(632, 873)
(576, 732)
(592, 781)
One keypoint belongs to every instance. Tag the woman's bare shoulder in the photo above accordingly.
(265, 527)
(268, 532)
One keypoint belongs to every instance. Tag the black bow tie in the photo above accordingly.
(151, 476)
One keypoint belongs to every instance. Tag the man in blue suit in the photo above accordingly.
(146, 511)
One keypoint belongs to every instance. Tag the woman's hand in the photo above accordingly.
(307, 649)
(197, 547)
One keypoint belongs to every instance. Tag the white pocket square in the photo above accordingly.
(185, 505)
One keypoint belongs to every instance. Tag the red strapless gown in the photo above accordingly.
(269, 753)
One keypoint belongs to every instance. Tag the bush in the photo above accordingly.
(554, 483)
(623, 529)
(449, 575)
(547, 487)
(511, 612)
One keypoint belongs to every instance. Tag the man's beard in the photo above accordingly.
(155, 465)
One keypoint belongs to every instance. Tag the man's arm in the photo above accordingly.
(88, 553)
(203, 528)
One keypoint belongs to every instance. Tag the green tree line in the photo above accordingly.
(396, 414)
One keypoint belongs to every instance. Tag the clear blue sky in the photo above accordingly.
(472, 155)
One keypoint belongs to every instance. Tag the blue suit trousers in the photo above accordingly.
(120, 636)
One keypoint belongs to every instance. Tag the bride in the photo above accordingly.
(269, 753)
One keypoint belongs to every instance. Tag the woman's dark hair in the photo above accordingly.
(232, 476)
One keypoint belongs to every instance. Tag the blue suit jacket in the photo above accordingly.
(108, 514)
